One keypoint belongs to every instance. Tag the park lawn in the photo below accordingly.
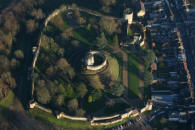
(79, 37)
(133, 77)
(113, 68)
(49, 118)
(5, 104)
(119, 57)
(66, 123)
(65, 25)
(60, 22)
(85, 36)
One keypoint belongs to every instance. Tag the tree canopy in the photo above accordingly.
(117, 89)
(81, 90)
(149, 57)
(72, 104)
(101, 41)
(19, 54)
(43, 95)
(148, 77)
(108, 25)
(96, 94)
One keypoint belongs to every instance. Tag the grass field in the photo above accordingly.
(85, 36)
(60, 22)
(113, 68)
(4, 105)
(79, 37)
(70, 124)
(119, 57)
(49, 118)
(133, 77)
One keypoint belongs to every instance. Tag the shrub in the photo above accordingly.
(117, 89)
(148, 77)
(80, 112)
(59, 100)
(43, 95)
(108, 25)
(96, 94)
(72, 104)
(90, 99)
(19, 54)
(81, 90)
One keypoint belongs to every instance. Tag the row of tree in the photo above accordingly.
(149, 58)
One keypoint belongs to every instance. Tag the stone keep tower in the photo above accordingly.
(89, 60)
(128, 16)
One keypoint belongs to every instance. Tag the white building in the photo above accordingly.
(89, 59)
(128, 16)
(142, 11)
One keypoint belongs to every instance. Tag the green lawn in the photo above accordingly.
(79, 37)
(60, 22)
(119, 57)
(92, 107)
(85, 36)
(65, 25)
(70, 124)
(113, 68)
(133, 76)
(49, 118)
(4, 105)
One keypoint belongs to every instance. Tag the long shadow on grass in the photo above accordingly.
(133, 68)
(24, 42)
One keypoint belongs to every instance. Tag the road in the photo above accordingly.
(187, 43)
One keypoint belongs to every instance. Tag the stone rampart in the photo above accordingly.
(36, 105)
(106, 123)
(107, 120)
(104, 118)
(62, 115)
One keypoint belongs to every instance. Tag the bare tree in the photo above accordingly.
(72, 104)
(38, 13)
(31, 25)
(108, 25)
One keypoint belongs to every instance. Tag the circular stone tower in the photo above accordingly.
(94, 61)
(89, 59)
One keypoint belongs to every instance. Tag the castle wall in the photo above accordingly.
(98, 67)
(131, 113)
